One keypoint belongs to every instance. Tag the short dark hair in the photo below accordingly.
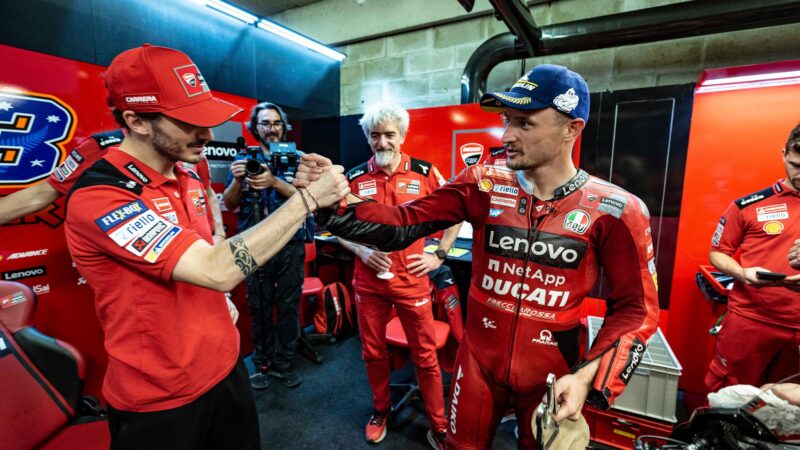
(117, 113)
(793, 143)
(254, 119)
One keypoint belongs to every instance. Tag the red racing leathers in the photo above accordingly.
(533, 263)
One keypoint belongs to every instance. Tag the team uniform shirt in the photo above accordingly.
(533, 263)
(762, 226)
(413, 179)
(127, 226)
(91, 149)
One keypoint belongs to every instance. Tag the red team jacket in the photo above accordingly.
(533, 263)
(413, 179)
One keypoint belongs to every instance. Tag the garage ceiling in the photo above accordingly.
(266, 8)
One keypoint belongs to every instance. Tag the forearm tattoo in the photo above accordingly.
(241, 256)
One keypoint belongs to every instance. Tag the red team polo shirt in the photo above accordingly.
(763, 226)
(92, 149)
(413, 178)
(127, 226)
(81, 158)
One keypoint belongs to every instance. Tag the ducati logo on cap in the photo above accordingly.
(191, 80)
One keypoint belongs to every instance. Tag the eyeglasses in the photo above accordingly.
(266, 124)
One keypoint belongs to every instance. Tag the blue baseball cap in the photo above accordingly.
(545, 86)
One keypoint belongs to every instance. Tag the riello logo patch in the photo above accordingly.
(577, 221)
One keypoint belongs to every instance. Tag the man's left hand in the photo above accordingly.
(424, 263)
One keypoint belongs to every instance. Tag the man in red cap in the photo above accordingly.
(136, 228)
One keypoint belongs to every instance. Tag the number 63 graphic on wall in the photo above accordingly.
(33, 130)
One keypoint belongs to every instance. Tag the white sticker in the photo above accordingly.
(503, 201)
(134, 227)
(140, 244)
(503, 189)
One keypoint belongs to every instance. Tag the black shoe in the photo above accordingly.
(259, 381)
(289, 377)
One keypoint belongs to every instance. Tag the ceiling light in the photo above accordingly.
(286, 33)
(758, 80)
(232, 11)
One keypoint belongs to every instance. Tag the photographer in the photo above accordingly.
(280, 281)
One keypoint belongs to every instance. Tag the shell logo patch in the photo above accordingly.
(485, 185)
(773, 227)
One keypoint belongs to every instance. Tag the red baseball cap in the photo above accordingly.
(160, 79)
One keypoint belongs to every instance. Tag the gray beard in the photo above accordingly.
(383, 158)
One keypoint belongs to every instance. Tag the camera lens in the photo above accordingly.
(253, 167)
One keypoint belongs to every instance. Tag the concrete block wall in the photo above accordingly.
(423, 68)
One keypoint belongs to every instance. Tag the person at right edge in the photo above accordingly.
(279, 283)
(760, 332)
(543, 230)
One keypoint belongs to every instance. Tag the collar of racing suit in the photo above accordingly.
(562, 191)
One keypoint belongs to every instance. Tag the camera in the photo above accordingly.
(283, 157)
(252, 165)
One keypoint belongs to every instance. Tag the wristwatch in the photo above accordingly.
(441, 254)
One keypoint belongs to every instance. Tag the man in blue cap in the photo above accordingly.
(543, 230)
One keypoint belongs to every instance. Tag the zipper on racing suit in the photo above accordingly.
(613, 358)
(533, 234)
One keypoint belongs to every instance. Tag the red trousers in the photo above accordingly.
(752, 352)
(416, 316)
(478, 402)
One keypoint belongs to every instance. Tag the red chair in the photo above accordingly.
(395, 336)
(312, 286)
(42, 383)
(312, 293)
